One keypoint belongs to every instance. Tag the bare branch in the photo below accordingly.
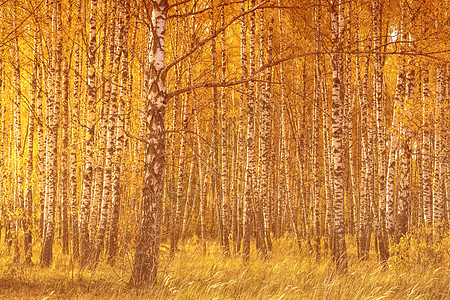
(206, 40)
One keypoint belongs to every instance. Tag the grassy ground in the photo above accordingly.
(287, 274)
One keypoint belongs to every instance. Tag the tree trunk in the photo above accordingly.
(241, 127)
(265, 136)
(337, 132)
(145, 264)
(395, 129)
(75, 121)
(404, 197)
(261, 176)
(364, 240)
(201, 179)
(190, 205)
(117, 193)
(91, 88)
(65, 157)
(18, 175)
(381, 150)
(315, 139)
(176, 218)
(52, 159)
(438, 187)
(28, 220)
(426, 150)
(111, 122)
(447, 151)
(41, 147)
(224, 166)
(250, 168)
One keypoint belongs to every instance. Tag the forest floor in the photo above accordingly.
(287, 274)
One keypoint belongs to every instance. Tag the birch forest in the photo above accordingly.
(225, 149)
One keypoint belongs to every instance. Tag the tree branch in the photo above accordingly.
(206, 40)
(290, 57)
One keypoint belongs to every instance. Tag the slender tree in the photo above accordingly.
(75, 121)
(224, 145)
(250, 168)
(18, 176)
(426, 148)
(395, 128)
(114, 58)
(315, 138)
(28, 220)
(125, 94)
(438, 186)
(381, 151)
(52, 158)
(91, 89)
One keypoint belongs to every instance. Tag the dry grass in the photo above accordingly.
(287, 274)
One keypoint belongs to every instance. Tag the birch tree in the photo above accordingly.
(337, 119)
(28, 220)
(426, 148)
(382, 234)
(18, 176)
(250, 168)
(224, 145)
(88, 166)
(114, 58)
(438, 187)
(145, 264)
(74, 128)
(52, 158)
(125, 94)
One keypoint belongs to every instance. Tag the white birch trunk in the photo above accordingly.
(337, 133)
(91, 88)
(250, 168)
(52, 159)
(145, 264)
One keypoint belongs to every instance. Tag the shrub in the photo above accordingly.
(422, 246)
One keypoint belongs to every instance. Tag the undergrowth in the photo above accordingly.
(288, 273)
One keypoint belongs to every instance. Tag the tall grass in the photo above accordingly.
(287, 274)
